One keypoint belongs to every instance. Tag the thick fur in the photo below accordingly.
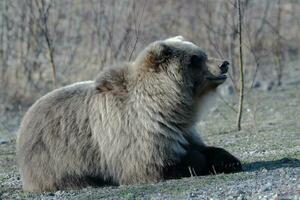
(134, 124)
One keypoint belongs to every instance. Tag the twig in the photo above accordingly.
(227, 104)
(137, 31)
(214, 170)
(241, 96)
(191, 172)
(44, 14)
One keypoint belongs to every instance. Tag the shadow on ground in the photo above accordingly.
(271, 165)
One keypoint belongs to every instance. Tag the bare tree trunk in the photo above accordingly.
(5, 37)
(241, 85)
(232, 45)
(2, 50)
(44, 15)
(278, 55)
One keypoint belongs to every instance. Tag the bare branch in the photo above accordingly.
(241, 85)
(137, 30)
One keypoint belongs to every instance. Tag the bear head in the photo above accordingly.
(184, 63)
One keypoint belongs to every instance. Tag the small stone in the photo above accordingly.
(264, 170)
(241, 197)
(193, 195)
(4, 142)
(266, 187)
(257, 84)
(59, 193)
(252, 152)
(275, 196)
(51, 194)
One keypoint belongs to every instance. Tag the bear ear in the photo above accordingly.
(105, 80)
(177, 38)
(159, 54)
(112, 80)
(104, 86)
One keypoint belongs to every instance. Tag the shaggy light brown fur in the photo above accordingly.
(126, 127)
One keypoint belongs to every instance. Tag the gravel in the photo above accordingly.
(268, 145)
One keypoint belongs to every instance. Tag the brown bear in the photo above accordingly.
(134, 124)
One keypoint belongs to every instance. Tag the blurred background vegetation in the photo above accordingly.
(72, 40)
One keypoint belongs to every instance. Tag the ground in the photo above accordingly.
(268, 146)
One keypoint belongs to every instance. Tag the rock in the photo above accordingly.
(266, 187)
(51, 194)
(4, 142)
(257, 84)
(264, 170)
(264, 85)
(193, 195)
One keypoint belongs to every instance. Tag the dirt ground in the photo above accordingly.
(268, 145)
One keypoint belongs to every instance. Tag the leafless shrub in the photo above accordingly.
(73, 40)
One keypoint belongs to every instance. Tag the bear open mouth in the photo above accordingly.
(221, 77)
(217, 78)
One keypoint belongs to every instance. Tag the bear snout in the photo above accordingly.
(224, 67)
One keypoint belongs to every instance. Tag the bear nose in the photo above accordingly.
(224, 67)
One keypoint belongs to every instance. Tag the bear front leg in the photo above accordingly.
(202, 160)
(221, 161)
(193, 163)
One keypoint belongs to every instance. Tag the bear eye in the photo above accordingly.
(196, 61)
